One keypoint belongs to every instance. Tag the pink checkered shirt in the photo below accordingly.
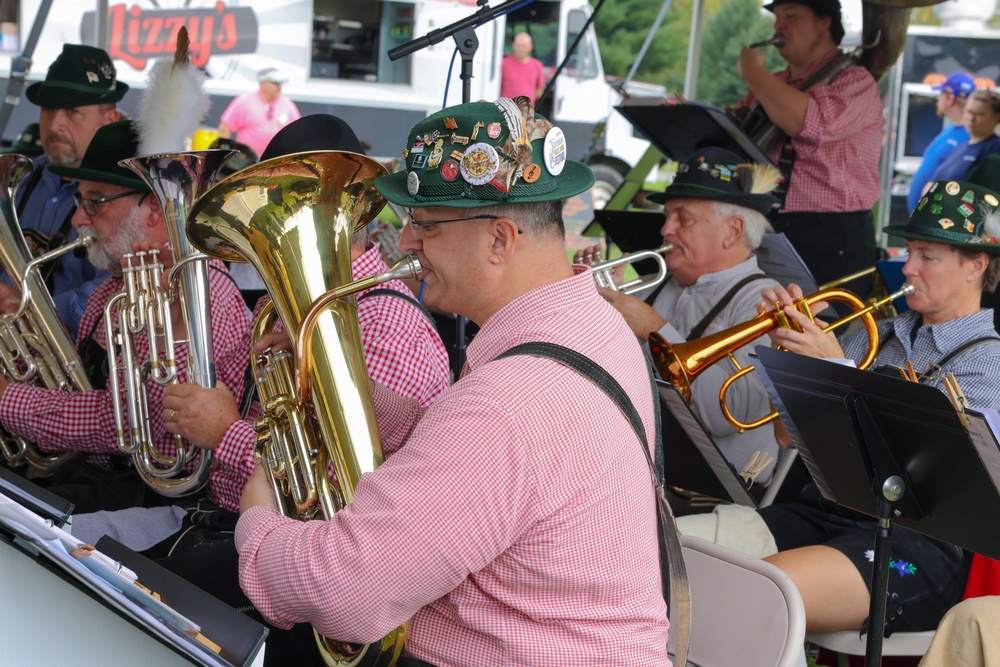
(402, 351)
(84, 421)
(837, 152)
(516, 526)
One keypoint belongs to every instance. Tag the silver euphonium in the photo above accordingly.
(35, 347)
(177, 180)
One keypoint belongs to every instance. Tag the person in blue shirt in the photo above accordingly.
(952, 95)
(77, 97)
(982, 113)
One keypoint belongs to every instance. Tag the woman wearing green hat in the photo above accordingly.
(953, 241)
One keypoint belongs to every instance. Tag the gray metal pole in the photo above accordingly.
(694, 50)
(649, 40)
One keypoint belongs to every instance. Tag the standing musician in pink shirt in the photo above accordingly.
(513, 521)
(257, 116)
(830, 144)
(520, 73)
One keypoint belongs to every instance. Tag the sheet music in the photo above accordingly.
(106, 578)
(983, 426)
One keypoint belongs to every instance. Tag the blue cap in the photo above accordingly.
(959, 84)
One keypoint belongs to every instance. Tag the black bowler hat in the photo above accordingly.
(715, 174)
(821, 8)
(318, 132)
(111, 144)
(80, 76)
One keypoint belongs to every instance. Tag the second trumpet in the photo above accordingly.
(604, 272)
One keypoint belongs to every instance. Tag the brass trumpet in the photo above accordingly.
(777, 40)
(604, 272)
(680, 364)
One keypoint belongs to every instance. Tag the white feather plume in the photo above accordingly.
(172, 107)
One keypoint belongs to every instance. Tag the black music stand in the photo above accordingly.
(39, 500)
(691, 459)
(680, 130)
(892, 449)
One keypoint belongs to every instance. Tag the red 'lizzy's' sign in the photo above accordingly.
(137, 34)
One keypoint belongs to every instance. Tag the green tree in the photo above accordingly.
(736, 24)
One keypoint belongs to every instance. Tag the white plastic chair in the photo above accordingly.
(849, 642)
(744, 611)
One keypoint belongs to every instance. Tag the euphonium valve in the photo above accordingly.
(293, 218)
(680, 364)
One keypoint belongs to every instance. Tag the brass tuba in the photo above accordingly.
(680, 364)
(292, 218)
(35, 346)
(177, 180)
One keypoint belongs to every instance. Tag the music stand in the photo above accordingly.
(680, 130)
(691, 459)
(39, 500)
(892, 449)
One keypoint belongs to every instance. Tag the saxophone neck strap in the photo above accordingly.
(673, 573)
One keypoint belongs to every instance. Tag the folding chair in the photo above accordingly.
(850, 642)
(744, 611)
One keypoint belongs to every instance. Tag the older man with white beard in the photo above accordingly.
(117, 209)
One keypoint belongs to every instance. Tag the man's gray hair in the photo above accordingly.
(755, 225)
(541, 218)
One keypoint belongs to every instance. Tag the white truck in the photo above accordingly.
(334, 54)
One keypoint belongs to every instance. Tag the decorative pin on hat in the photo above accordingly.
(80, 76)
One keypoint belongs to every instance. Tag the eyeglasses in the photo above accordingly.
(90, 205)
(417, 224)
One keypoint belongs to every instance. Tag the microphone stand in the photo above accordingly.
(464, 33)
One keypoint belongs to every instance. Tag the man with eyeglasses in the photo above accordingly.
(118, 211)
(257, 116)
(514, 520)
(77, 97)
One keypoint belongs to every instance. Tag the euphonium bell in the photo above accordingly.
(680, 364)
(292, 218)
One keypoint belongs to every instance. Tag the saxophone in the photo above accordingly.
(35, 347)
(292, 218)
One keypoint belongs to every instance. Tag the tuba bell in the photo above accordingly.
(292, 218)
(35, 347)
(177, 180)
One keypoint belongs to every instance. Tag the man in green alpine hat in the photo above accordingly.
(77, 97)
(953, 245)
(514, 519)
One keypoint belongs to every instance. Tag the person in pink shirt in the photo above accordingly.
(520, 74)
(256, 117)
(514, 519)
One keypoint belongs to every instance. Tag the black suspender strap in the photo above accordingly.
(673, 573)
(385, 291)
(699, 329)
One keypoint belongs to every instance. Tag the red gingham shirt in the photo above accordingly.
(837, 152)
(402, 351)
(516, 526)
(84, 421)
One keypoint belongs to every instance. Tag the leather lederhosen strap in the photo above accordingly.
(673, 573)
(698, 330)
